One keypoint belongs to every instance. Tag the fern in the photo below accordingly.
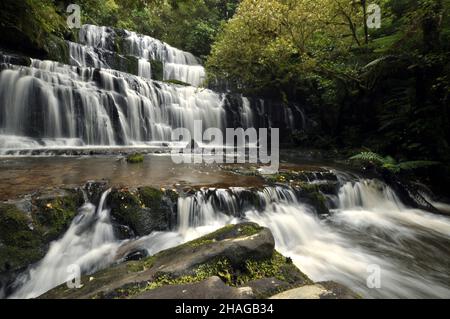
(389, 163)
(368, 157)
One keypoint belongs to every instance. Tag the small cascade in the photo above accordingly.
(145, 69)
(177, 64)
(89, 244)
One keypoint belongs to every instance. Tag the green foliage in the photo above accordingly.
(187, 24)
(390, 163)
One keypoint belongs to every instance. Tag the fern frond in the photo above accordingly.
(368, 157)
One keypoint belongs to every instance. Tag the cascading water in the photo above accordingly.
(369, 227)
(105, 98)
(89, 244)
(55, 105)
(178, 65)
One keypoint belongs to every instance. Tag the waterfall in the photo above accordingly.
(89, 244)
(107, 96)
(178, 65)
(48, 102)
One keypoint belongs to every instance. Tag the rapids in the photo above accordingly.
(368, 227)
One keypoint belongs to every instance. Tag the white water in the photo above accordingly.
(178, 65)
(370, 227)
(48, 102)
(88, 243)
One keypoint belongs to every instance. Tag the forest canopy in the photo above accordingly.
(384, 87)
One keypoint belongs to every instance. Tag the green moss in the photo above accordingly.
(135, 158)
(138, 266)
(151, 197)
(24, 237)
(177, 82)
(20, 245)
(125, 206)
(278, 266)
(54, 216)
(132, 65)
(157, 70)
(16, 258)
(58, 49)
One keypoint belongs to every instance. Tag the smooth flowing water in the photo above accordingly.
(369, 228)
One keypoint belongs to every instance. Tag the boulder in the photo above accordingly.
(143, 210)
(267, 286)
(211, 288)
(235, 255)
(28, 226)
(324, 290)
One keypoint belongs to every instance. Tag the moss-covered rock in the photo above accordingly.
(57, 49)
(310, 186)
(237, 254)
(144, 210)
(209, 267)
(20, 243)
(26, 234)
(53, 215)
(135, 158)
(157, 70)
(177, 82)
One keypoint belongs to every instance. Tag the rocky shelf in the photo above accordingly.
(235, 262)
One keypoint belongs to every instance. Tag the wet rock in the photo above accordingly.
(27, 227)
(211, 288)
(136, 255)
(95, 189)
(236, 254)
(325, 290)
(144, 210)
(237, 250)
(265, 287)
(53, 212)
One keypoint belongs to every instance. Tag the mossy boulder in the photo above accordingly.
(135, 158)
(144, 210)
(20, 242)
(26, 233)
(157, 70)
(237, 254)
(53, 215)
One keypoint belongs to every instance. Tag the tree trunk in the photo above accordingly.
(366, 28)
